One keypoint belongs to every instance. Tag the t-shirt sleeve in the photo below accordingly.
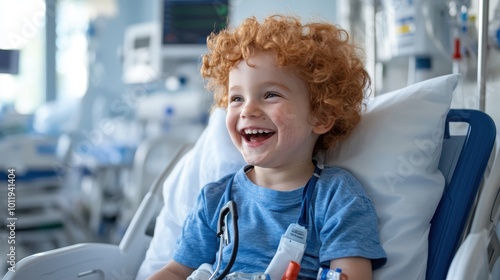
(198, 242)
(350, 226)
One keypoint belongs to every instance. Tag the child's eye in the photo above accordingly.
(236, 99)
(271, 94)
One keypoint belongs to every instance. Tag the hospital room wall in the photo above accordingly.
(324, 10)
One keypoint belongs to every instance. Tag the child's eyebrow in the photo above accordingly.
(275, 84)
(263, 85)
(234, 88)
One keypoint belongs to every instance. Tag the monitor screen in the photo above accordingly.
(191, 21)
(9, 61)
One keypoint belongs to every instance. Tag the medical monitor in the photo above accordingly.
(9, 61)
(186, 25)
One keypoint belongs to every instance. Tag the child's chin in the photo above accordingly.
(253, 161)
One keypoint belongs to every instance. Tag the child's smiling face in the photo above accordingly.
(269, 116)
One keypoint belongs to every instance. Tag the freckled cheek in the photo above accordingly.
(287, 123)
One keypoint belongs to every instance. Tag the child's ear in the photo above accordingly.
(322, 128)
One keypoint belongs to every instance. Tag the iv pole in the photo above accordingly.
(482, 51)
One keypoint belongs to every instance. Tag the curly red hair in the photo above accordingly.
(320, 53)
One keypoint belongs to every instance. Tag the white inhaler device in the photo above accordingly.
(291, 248)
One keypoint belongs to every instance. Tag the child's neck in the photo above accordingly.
(284, 178)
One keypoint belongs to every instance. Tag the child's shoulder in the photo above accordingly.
(213, 193)
(221, 183)
(342, 179)
(337, 172)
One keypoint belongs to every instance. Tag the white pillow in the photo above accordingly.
(213, 157)
(394, 151)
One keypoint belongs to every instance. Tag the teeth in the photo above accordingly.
(255, 131)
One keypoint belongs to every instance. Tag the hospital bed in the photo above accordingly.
(461, 159)
(34, 166)
(99, 260)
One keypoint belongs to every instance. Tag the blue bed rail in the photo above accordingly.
(463, 161)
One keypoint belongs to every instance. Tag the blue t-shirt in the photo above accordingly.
(342, 223)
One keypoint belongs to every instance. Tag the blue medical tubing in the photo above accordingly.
(307, 196)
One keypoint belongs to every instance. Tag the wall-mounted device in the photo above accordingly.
(141, 53)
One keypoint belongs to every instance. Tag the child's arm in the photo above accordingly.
(353, 268)
(172, 271)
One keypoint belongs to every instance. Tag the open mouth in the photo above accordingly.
(255, 135)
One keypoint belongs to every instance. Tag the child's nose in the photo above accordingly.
(251, 109)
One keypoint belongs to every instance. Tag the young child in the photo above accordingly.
(290, 89)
